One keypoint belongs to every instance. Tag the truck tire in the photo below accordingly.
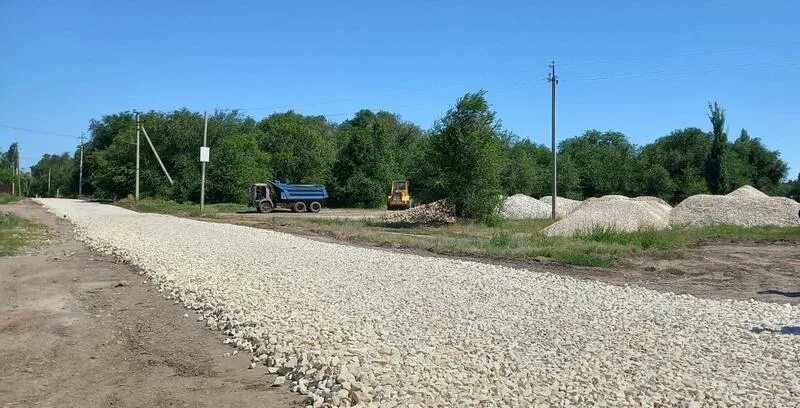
(314, 207)
(265, 207)
(299, 207)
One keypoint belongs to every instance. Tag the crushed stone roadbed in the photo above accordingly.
(347, 325)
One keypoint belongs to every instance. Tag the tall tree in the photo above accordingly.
(715, 162)
(682, 154)
(756, 165)
(301, 148)
(467, 149)
(607, 162)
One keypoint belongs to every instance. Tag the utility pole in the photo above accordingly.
(138, 126)
(48, 182)
(203, 163)
(553, 79)
(19, 179)
(80, 172)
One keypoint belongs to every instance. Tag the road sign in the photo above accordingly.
(205, 154)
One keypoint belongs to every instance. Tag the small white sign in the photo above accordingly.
(205, 154)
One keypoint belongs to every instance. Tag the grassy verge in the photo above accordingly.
(521, 240)
(6, 198)
(153, 205)
(16, 233)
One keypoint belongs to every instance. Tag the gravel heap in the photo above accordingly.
(564, 206)
(653, 199)
(701, 210)
(346, 325)
(437, 212)
(747, 191)
(520, 207)
(621, 214)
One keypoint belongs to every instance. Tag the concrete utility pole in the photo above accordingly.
(150, 142)
(48, 182)
(203, 163)
(138, 126)
(553, 79)
(19, 178)
(80, 172)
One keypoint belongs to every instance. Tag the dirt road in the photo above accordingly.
(78, 330)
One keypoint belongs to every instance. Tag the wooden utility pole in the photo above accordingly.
(553, 79)
(138, 126)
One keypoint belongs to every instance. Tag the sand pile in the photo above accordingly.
(431, 213)
(747, 191)
(564, 206)
(621, 214)
(521, 207)
(747, 211)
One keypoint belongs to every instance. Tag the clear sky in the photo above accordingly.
(643, 68)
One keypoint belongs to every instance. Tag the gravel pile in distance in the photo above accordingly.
(346, 325)
(521, 207)
(611, 212)
(437, 212)
(564, 206)
(747, 211)
(747, 191)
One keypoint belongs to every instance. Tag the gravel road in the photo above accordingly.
(398, 329)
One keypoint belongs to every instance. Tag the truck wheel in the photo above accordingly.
(299, 207)
(264, 207)
(314, 207)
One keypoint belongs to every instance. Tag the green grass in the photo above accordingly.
(155, 205)
(16, 233)
(522, 240)
(6, 198)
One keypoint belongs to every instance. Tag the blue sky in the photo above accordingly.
(642, 68)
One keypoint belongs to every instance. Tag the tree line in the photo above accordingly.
(467, 156)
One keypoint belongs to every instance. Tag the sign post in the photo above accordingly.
(205, 155)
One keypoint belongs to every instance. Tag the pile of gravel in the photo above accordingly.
(747, 211)
(747, 191)
(611, 212)
(520, 207)
(653, 199)
(564, 206)
(437, 212)
(346, 325)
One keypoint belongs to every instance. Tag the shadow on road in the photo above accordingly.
(780, 293)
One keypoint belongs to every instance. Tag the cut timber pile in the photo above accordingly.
(564, 206)
(747, 211)
(520, 207)
(747, 191)
(611, 212)
(432, 213)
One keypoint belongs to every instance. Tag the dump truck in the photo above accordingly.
(265, 197)
(399, 197)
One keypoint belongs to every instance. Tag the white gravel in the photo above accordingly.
(520, 207)
(564, 206)
(747, 191)
(744, 210)
(619, 213)
(400, 329)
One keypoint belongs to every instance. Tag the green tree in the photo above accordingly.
(607, 162)
(715, 162)
(237, 163)
(467, 149)
(682, 154)
(301, 148)
(371, 156)
(59, 169)
(756, 165)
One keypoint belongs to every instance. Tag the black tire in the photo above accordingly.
(265, 207)
(299, 207)
(314, 207)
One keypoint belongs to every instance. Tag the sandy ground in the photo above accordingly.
(78, 330)
(326, 213)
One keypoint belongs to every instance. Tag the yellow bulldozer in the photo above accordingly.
(399, 197)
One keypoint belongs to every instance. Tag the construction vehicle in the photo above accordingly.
(265, 197)
(400, 197)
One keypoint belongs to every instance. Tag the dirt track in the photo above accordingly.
(78, 330)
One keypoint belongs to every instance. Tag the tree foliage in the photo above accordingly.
(715, 161)
(467, 151)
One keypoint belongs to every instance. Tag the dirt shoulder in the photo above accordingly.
(741, 270)
(79, 330)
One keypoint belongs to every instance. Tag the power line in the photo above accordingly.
(44, 132)
(603, 77)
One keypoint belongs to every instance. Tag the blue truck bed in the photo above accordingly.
(300, 192)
